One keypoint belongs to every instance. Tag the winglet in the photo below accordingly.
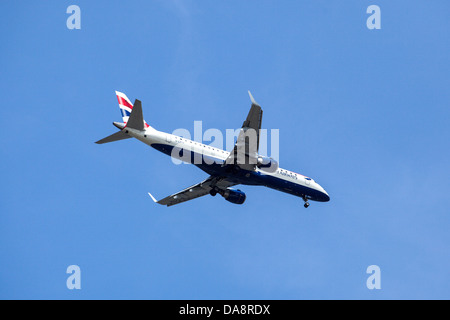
(252, 99)
(153, 198)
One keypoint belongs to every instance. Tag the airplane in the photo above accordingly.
(241, 166)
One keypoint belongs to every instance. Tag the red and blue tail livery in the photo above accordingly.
(126, 107)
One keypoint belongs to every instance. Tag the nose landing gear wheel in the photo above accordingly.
(306, 205)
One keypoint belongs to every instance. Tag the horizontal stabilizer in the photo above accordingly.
(114, 137)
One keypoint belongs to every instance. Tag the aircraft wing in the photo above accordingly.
(245, 152)
(198, 190)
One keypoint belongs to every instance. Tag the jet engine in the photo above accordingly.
(234, 196)
(267, 164)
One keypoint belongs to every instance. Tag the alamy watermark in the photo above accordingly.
(244, 145)
(74, 20)
(374, 21)
(74, 280)
(374, 280)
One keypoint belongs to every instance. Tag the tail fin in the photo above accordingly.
(132, 118)
(136, 119)
(126, 107)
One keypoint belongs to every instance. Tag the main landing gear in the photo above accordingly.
(306, 205)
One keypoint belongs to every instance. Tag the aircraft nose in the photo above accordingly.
(324, 196)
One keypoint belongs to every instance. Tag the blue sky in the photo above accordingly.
(363, 112)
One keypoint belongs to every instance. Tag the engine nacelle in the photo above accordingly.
(267, 164)
(234, 196)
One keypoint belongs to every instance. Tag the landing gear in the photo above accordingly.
(213, 192)
(306, 205)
